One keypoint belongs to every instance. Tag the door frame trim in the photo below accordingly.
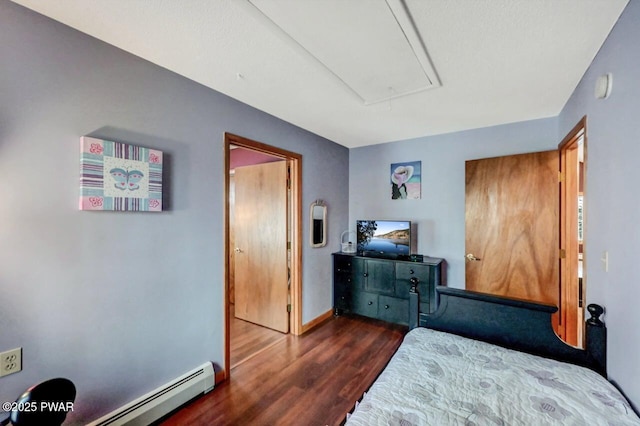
(569, 319)
(294, 161)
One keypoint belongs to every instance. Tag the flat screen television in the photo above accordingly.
(384, 238)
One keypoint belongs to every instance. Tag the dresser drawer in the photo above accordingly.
(343, 281)
(407, 271)
(341, 298)
(342, 264)
(426, 276)
(393, 309)
(365, 303)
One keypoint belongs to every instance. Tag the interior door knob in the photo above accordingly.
(471, 258)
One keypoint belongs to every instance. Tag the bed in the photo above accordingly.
(486, 360)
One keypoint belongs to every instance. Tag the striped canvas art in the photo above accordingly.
(118, 176)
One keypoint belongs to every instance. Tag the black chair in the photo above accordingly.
(45, 404)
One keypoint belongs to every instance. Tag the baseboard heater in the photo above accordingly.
(161, 401)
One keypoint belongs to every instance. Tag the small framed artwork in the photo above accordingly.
(118, 176)
(406, 180)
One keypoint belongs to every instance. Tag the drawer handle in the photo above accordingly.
(414, 284)
(411, 271)
(365, 275)
(370, 303)
(386, 306)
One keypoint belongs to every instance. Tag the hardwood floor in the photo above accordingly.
(248, 340)
(313, 379)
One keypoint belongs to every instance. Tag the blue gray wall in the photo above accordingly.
(123, 302)
(439, 214)
(613, 198)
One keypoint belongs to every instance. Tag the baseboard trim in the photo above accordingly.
(317, 321)
(220, 376)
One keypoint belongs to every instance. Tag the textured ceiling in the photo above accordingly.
(498, 61)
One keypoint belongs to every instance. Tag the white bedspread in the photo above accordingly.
(438, 379)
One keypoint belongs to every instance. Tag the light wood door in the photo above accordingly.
(512, 226)
(261, 267)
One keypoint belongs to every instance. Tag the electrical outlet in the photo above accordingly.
(10, 361)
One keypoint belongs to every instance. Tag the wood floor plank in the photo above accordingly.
(313, 379)
(248, 339)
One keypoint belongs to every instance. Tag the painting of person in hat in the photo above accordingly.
(405, 180)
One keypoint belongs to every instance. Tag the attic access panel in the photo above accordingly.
(372, 46)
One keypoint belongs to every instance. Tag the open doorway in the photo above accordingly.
(573, 159)
(258, 259)
(262, 247)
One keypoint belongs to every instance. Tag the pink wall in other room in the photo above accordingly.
(245, 157)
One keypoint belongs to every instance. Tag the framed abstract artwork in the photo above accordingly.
(406, 180)
(121, 177)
